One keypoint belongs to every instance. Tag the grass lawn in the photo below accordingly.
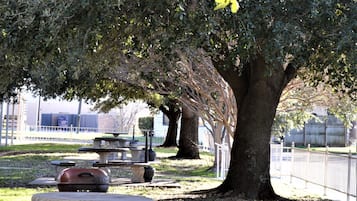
(189, 174)
(45, 147)
(21, 194)
(340, 150)
(33, 161)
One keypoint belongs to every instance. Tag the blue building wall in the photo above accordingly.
(67, 120)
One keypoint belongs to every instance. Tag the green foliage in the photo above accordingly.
(345, 110)
(286, 121)
(69, 47)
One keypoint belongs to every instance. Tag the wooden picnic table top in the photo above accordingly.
(111, 139)
(116, 134)
(120, 163)
(95, 149)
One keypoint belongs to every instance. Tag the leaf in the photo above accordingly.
(221, 4)
(234, 6)
(224, 3)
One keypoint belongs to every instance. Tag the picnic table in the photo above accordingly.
(112, 141)
(103, 152)
(138, 163)
(116, 134)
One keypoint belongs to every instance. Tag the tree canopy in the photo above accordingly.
(257, 50)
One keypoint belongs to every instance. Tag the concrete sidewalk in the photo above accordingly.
(299, 189)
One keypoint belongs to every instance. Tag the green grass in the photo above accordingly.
(13, 182)
(45, 147)
(18, 170)
(338, 150)
(184, 167)
(189, 174)
(21, 194)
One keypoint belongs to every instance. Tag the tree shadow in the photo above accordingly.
(215, 195)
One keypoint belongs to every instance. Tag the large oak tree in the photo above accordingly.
(257, 51)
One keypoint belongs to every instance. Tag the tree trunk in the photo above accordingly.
(257, 95)
(173, 114)
(188, 142)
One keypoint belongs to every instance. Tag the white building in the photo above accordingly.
(32, 111)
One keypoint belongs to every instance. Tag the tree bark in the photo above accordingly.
(173, 114)
(257, 96)
(188, 142)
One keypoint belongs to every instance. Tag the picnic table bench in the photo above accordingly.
(137, 169)
(61, 164)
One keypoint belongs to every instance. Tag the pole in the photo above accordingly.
(38, 113)
(146, 147)
(349, 175)
(1, 119)
(326, 142)
(79, 115)
(7, 122)
(325, 170)
(133, 140)
(307, 164)
(19, 118)
(218, 161)
(304, 135)
(281, 150)
(292, 161)
(12, 121)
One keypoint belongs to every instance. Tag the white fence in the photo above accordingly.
(222, 160)
(336, 172)
(66, 134)
(329, 171)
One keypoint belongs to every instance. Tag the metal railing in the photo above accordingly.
(71, 128)
(222, 160)
(330, 171)
(73, 134)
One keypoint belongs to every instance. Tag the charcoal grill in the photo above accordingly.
(83, 179)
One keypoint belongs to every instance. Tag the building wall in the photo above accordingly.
(329, 132)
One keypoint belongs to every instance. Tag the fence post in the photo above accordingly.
(281, 159)
(325, 170)
(349, 175)
(217, 160)
(326, 139)
(7, 123)
(223, 161)
(307, 164)
(292, 161)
